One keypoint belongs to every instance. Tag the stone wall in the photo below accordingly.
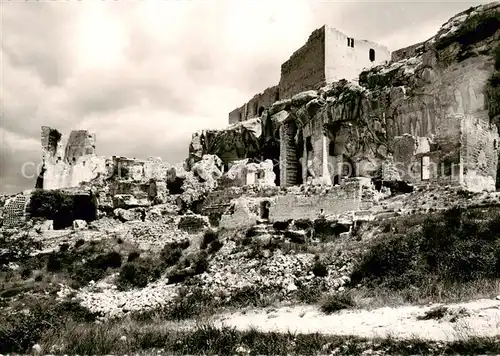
(67, 162)
(345, 57)
(80, 143)
(14, 211)
(340, 199)
(407, 52)
(255, 106)
(142, 170)
(306, 67)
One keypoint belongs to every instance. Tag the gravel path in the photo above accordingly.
(478, 318)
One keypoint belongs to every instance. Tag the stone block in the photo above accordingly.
(193, 223)
(79, 224)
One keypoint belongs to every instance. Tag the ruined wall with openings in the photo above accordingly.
(80, 143)
(69, 161)
(14, 210)
(345, 57)
(354, 195)
(306, 67)
(255, 106)
(134, 169)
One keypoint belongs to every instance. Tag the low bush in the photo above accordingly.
(215, 246)
(335, 302)
(208, 237)
(138, 273)
(188, 304)
(319, 269)
(170, 255)
(132, 256)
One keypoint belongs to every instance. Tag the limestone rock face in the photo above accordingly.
(208, 169)
(239, 141)
(304, 97)
(433, 108)
(129, 201)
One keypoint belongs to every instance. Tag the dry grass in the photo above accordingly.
(372, 298)
(127, 337)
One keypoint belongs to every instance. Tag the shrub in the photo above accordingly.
(208, 237)
(200, 263)
(170, 255)
(109, 260)
(319, 269)
(215, 246)
(188, 304)
(63, 247)
(138, 273)
(19, 331)
(335, 302)
(132, 256)
(188, 267)
(308, 294)
(79, 243)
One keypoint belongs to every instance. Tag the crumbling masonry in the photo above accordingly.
(347, 115)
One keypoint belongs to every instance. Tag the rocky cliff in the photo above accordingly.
(438, 102)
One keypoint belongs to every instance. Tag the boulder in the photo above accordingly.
(279, 117)
(280, 106)
(304, 97)
(265, 173)
(237, 172)
(127, 214)
(238, 215)
(296, 236)
(47, 225)
(79, 224)
(208, 170)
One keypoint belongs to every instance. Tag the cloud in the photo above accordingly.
(144, 75)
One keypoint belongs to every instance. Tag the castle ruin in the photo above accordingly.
(347, 115)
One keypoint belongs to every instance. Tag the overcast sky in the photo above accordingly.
(143, 75)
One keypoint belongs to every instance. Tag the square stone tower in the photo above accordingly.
(328, 56)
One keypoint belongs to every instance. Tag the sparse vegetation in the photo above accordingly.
(335, 302)
(453, 247)
(319, 269)
(139, 273)
(101, 339)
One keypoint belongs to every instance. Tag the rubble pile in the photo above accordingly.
(232, 270)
